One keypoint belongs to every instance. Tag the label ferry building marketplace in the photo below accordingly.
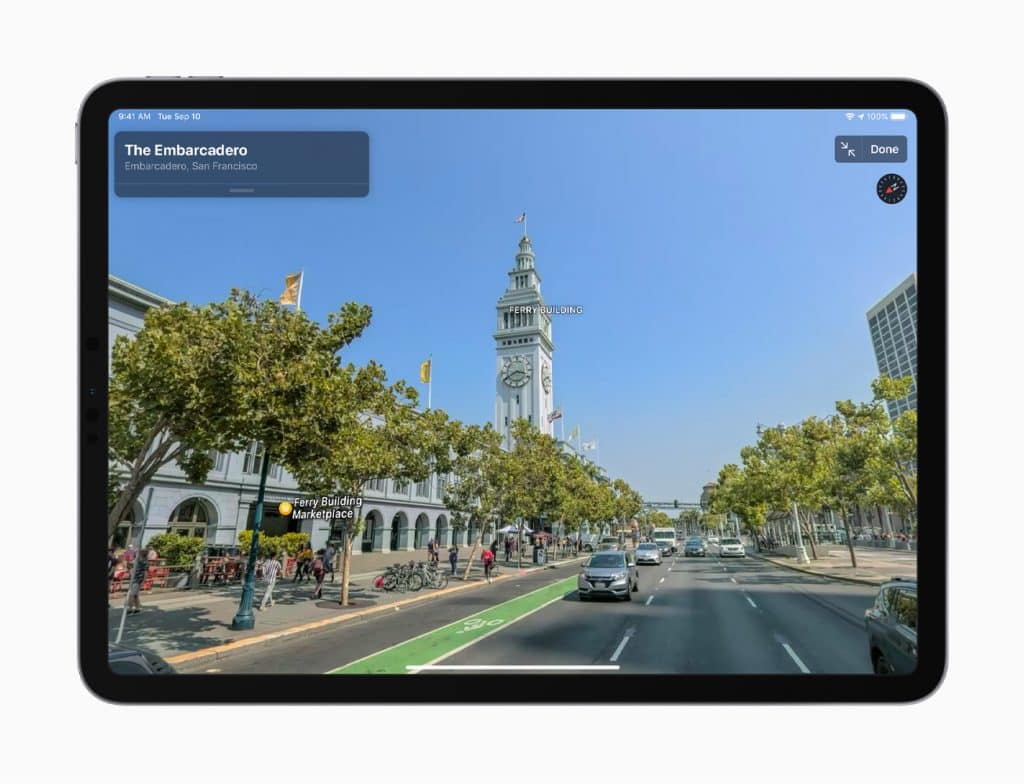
(397, 515)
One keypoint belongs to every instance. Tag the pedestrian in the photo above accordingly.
(488, 559)
(139, 573)
(494, 549)
(453, 557)
(111, 566)
(318, 574)
(329, 560)
(508, 548)
(305, 562)
(271, 567)
(196, 575)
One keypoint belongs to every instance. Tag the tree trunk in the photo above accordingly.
(808, 528)
(849, 537)
(472, 555)
(346, 567)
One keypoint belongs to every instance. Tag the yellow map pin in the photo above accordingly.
(284, 509)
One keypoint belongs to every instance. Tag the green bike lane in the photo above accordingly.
(409, 656)
(431, 628)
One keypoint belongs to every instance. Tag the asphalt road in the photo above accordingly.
(692, 615)
(697, 615)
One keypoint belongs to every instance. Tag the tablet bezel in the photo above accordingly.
(93, 170)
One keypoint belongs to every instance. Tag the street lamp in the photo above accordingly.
(244, 618)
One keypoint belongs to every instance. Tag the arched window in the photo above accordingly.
(190, 518)
(126, 531)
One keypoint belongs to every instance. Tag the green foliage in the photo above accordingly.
(177, 551)
(290, 543)
(196, 380)
(856, 457)
(293, 543)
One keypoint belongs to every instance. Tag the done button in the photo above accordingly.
(871, 149)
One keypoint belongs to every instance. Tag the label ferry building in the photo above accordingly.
(397, 515)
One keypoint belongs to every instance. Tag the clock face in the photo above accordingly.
(892, 188)
(545, 377)
(516, 371)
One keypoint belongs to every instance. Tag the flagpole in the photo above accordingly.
(430, 379)
(298, 298)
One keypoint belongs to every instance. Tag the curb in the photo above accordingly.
(837, 578)
(194, 659)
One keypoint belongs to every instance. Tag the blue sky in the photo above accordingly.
(724, 262)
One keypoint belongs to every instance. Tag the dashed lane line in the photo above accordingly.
(794, 657)
(750, 600)
(649, 600)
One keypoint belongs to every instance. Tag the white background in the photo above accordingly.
(53, 54)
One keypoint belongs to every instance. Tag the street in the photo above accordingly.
(691, 615)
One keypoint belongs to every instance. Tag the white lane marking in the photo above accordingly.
(649, 600)
(751, 601)
(794, 657)
(618, 651)
(661, 581)
(474, 667)
(733, 579)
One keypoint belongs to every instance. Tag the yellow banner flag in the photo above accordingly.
(290, 295)
(425, 372)
(575, 433)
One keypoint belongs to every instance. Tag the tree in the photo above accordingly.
(897, 459)
(371, 430)
(199, 379)
(735, 494)
(477, 488)
(628, 502)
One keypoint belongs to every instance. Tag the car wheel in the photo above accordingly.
(882, 666)
(629, 596)
(584, 597)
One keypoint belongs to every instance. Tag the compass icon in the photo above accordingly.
(891, 188)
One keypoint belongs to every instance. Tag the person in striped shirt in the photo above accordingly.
(271, 568)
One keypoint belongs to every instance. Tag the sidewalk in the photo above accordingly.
(186, 627)
(874, 567)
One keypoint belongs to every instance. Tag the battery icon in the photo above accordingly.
(897, 115)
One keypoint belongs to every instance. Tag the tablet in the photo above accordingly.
(682, 334)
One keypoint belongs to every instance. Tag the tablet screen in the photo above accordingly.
(675, 423)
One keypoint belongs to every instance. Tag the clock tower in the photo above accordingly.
(522, 342)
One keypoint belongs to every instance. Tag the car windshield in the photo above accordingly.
(607, 561)
(647, 546)
(694, 542)
(730, 541)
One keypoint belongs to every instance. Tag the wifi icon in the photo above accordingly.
(850, 115)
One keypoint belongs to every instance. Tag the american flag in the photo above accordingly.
(556, 414)
(521, 217)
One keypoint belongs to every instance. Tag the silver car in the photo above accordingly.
(731, 547)
(649, 553)
(609, 573)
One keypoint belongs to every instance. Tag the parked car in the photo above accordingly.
(694, 547)
(712, 540)
(731, 548)
(609, 573)
(891, 626)
(135, 661)
(649, 552)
